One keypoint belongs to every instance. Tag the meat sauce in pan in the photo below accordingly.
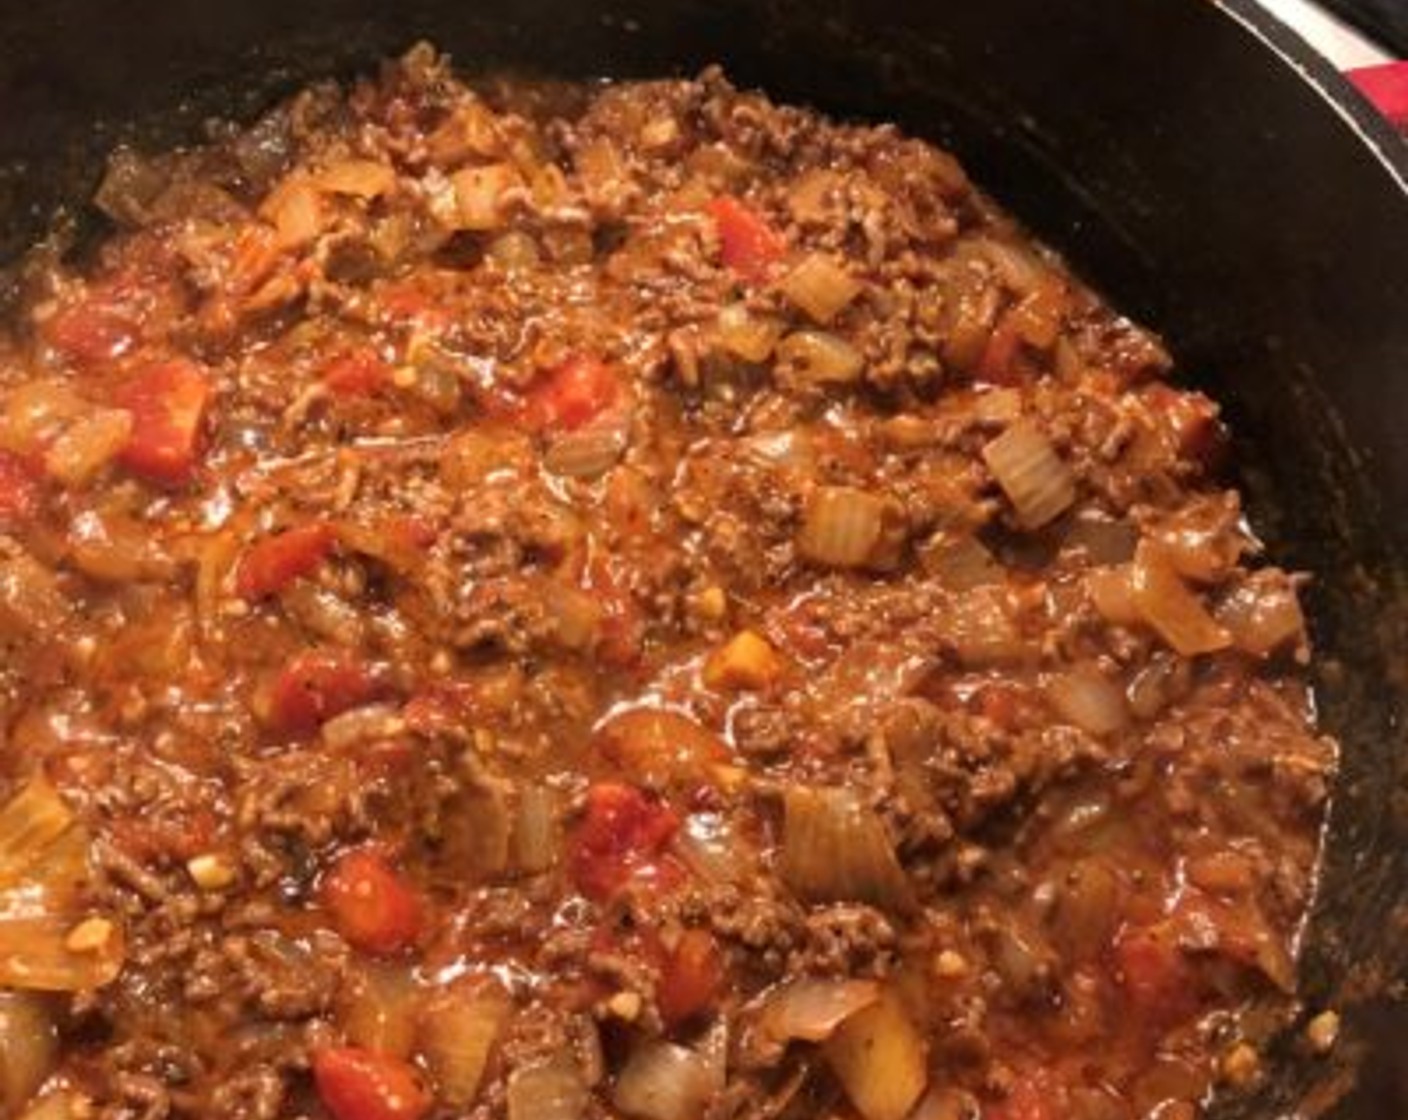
(627, 600)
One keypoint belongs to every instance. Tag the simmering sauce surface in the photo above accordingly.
(562, 602)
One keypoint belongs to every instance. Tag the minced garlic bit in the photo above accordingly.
(211, 871)
(625, 1006)
(89, 936)
(1241, 1065)
(1322, 1032)
(950, 965)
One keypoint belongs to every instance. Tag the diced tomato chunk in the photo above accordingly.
(622, 624)
(621, 838)
(91, 330)
(570, 394)
(999, 362)
(1155, 976)
(19, 488)
(357, 1084)
(315, 686)
(690, 978)
(168, 402)
(356, 374)
(276, 561)
(747, 244)
(371, 905)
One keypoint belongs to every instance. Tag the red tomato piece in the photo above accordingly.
(570, 394)
(357, 1084)
(747, 244)
(315, 686)
(1156, 977)
(371, 905)
(92, 330)
(999, 364)
(622, 625)
(273, 563)
(168, 402)
(622, 838)
(19, 488)
(356, 374)
(690, 978)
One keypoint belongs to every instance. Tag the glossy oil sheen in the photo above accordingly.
(1174, 149)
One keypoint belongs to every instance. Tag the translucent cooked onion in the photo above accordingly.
(1104, 542)
(379, 1012)
(1167, 605)
(843, 527)
(587, 452)
(821, 357)
(295, 209)
(360, 178)
(1112, 592)
(835, 849)
(663, 1081)
(747, 335)
(1089, 701)
(708, 846)
(535, 834)
(550, 1089)
(1021, 270)
(29, 1048)
(458, 1032)
(514, 250)
(480, 195)
(1038, 484)
(37, 953)
(810, 1008)
(820, 287)
(361, 725)
(879, 1057)
(961, 563)
(576, 616)
(1263, 614)
(114, 548)
(87, 445)
(36, 412)
(31, 601)
(30, 823)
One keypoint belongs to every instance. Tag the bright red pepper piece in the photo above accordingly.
(570, 394)
(315, 686)
(273, 563)
(357, 1084)
(747, 244)
(621, 838)
(168, 402)
(94, 329)
(690, 978)
(371, 905)
(19, 488)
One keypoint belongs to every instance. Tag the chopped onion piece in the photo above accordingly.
(459, 1029)
(87, 445)
(747, 335)
(535, 834)
(821, 357)
(1166, 604)
(1263, 614)
(810, 1009)
(820, 287)
(361, 178)
(60, 1104)
(662, 1081)
(835, 849)
(1031, 474)
(1089, 701)
(848, 528)
(36, 412)
(961, 563)
(711, 849)
(513, 250)
(587, 452)
(879, 1057)
(53, 954)
(1020, 269)
(379, 1012)
(30, 823)
(360, 725)
(550, 1089)
(295, 209)
(29, 1048)
(481, 195)
(1112, 592)
(31, 601)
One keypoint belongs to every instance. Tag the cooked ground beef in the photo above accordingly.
(576, 601)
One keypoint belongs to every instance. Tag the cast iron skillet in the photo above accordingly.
(1193, 160)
